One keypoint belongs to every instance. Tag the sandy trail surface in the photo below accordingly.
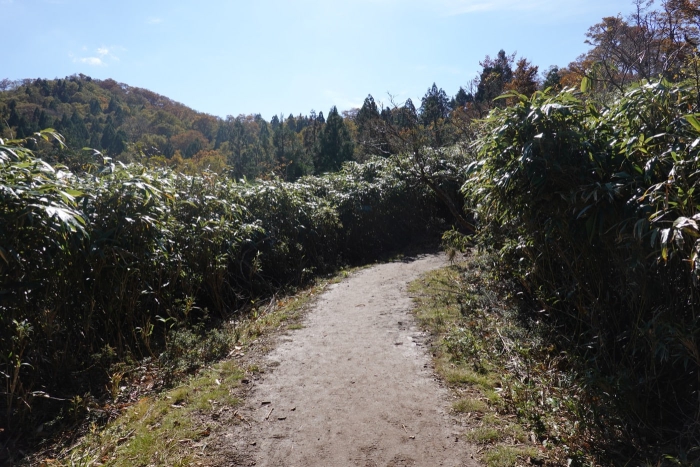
(354, 386)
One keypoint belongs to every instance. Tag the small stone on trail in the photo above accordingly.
(281, 418)
(266, 403)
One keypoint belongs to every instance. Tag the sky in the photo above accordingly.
(289, 56)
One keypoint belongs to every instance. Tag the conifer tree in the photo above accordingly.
(495, 74)
(368, 134)
(335, 144)
(434, 111)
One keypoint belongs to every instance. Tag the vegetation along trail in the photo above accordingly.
(354, 386)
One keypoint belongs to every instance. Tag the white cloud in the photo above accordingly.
(154, 20)
(458, 7)
(95, 61)
(547, 9)
(343, 102)
(101, 57)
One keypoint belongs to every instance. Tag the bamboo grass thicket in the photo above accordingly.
(99, 266)
(596, 210)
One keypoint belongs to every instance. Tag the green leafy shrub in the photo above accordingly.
(121, 257)
(596, 211)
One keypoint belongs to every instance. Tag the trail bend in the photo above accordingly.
(354, 386)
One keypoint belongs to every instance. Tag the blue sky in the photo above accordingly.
(283, 56)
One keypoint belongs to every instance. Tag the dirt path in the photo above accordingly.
(353, 387)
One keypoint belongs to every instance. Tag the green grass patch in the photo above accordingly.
(470, 405)
(163, 429)
(466, 376)
(486, 434)
(508, 456)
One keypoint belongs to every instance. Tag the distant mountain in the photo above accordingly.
(129, 123)
(102, 114)
(134, 124)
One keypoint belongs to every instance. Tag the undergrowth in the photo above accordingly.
(173, 426)
(517, 397)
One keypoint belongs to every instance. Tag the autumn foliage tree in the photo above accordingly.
(649, 43)
(524, 79)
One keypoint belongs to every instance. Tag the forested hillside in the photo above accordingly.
(136, 221)
(136, 125)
